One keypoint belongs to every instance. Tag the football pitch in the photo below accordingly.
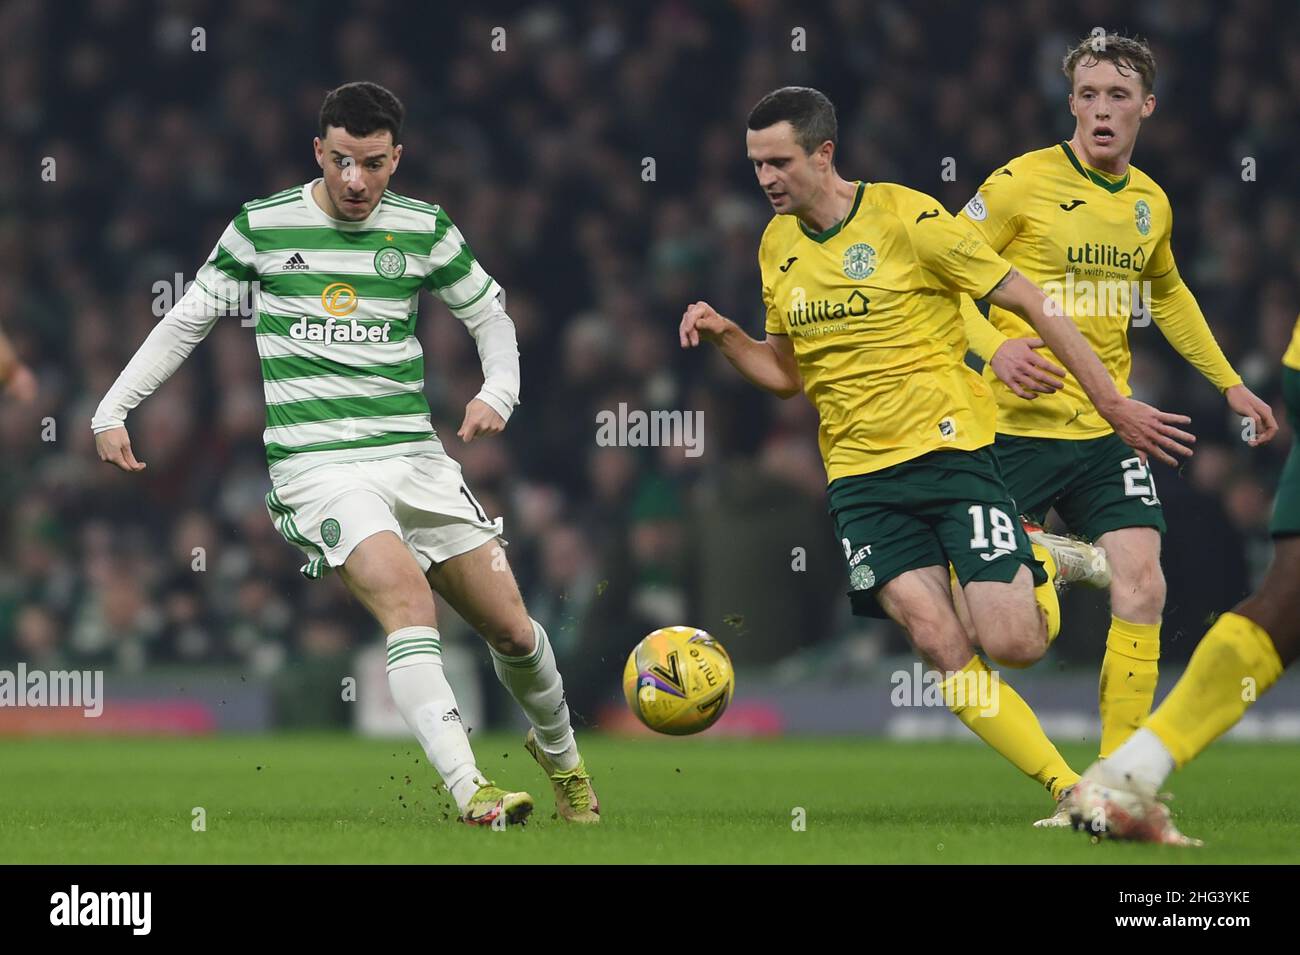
(340, 799)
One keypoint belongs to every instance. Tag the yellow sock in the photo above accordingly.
(1233, 665)
(997, 714)
(1045, 594)
(1128, 680)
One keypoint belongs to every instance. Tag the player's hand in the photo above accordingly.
(1027, 373)
(21, 384)
(1244, 401)
(479, 419)
(700, 321)
(1149, 430)
(114, 446)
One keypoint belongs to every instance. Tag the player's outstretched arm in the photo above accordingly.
(1183, 324)
(494, 335)
(769, 364)
(1145, 429)
(172, 339)
(1014, 360)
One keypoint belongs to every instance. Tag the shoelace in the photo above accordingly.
(576, 790)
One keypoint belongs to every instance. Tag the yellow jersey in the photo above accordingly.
(1292, 357)
(872, 309)
(1099, 245)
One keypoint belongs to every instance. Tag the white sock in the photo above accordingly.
(1143, 758)
(535, 683)
(426, 702)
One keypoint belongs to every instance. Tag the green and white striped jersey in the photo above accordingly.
(336, 305)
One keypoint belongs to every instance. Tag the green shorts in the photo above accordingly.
(1286, 505)
(943, 507)
(1096, 485)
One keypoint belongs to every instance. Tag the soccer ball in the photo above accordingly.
(678, 681)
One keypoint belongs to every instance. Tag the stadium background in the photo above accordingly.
(538, 154)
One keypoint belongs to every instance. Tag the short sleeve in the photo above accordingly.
(994, 211)
(949, 251)
(773, 324)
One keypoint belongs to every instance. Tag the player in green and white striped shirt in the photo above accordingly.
(360, 481)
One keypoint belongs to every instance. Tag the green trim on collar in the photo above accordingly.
(1096, 177)
(835, 229)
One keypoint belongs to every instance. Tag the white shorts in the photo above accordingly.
(422, 498)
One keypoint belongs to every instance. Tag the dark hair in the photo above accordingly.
(362, 108)
(808, 110)
(1129, 54)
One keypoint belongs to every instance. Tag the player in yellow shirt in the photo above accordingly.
(1240, 657)
(1094, 232)
(861, 283)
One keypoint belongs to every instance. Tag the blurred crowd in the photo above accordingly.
(540, 153)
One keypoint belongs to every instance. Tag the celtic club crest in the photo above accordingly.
(390, 262)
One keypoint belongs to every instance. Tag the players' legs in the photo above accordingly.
(1239, 658)
(480, 586)
(1137, 589)
(1275, 606)
(383, 574)
(920, 600)
(1010, 626)
(1130, 666)
(1237, 661)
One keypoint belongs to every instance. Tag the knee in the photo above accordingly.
(414, 612)
(514, 638)
(1019, 646)
(1018, 655)
(1138, 594)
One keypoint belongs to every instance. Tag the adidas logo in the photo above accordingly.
(295, 262)
(452, 715)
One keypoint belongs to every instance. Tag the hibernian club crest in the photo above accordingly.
(859, 260)
(390, 262)
(862, 577)
(329, 532)
(1142, 216)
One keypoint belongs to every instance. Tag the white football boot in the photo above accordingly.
(1106, 805)
(1077, 561)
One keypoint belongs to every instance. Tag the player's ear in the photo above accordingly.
(826, 152)
(397, 157)
(1071, 101)
(1148, 106)
(319, 151)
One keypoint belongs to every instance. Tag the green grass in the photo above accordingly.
(340, 799)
